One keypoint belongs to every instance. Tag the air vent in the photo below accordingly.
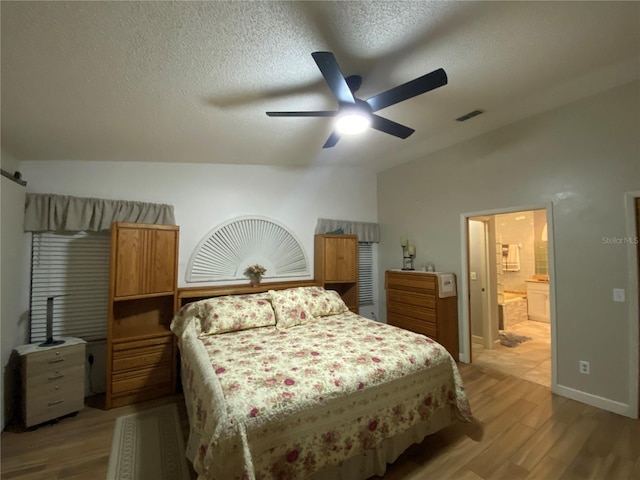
(469, 115)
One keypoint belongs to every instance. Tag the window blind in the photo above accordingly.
(365, 273)
(75, 266)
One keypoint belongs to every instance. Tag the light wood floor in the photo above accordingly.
(522, 431)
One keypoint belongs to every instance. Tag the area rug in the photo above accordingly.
(511, 340)
(148, 445)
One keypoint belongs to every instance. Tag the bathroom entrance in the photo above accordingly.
(509, 300)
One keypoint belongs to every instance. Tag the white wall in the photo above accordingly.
(14, 282)
(580, 158)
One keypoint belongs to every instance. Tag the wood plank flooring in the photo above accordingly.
(522, 431)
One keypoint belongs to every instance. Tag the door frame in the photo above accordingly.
(489, 273)
(633, 298)
(465, 331)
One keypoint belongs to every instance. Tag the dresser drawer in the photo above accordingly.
(141, 378)
(47, 407)
(147, 342)
(72, 373)
(409, 323)
(55, 359)
(412, 282)
(420, 314)
(424, 300)
(142, 357)
(53, 399)
(141, 395)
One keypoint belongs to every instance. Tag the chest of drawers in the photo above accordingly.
(414, 303)
(52, 380)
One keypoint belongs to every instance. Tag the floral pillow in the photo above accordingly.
(235, 312)
(290, 307)
(323, 302)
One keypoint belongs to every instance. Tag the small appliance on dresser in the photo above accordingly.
(52, 378)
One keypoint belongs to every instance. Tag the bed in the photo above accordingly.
(289, 384)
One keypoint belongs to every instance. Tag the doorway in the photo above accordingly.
(509, 294)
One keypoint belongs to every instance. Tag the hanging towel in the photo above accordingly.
(446, 285)
(511, 263)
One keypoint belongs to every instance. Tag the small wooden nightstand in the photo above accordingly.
(52, 380)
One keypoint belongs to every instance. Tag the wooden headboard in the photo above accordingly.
(193, 294)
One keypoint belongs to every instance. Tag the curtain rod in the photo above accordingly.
(16, 177)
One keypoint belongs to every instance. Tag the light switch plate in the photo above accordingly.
(473, 275)
(618, 294)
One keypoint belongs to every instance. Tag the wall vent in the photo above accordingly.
(469, 115)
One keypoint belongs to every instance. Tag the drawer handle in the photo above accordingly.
(55, 377)
(57, 402)
(56, 360)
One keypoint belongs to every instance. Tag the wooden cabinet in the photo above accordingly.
(141, 349)
(336, 266)
(414, 303)
(52, 380)
(538, 307)
(144, 260)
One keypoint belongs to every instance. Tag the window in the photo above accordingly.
(75, 269)
(365, 273)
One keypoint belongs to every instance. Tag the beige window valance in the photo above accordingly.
(366, 231)
(61, 213)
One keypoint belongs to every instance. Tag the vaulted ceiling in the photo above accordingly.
(191, 81)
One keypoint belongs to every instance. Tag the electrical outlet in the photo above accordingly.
(585, 367)
(618, 294)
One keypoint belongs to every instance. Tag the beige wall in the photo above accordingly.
(581, 159)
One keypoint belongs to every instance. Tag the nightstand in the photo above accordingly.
(52, 379)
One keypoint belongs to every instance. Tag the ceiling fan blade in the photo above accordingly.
(335, 79)
(388, 126)
(332, 140)
(415, 87)
(302, 114)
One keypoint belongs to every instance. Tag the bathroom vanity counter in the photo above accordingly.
(538, 300)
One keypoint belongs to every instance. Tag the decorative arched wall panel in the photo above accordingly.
(229, 248)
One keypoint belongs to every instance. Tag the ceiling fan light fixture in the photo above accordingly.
(355, 115)
(352, 123)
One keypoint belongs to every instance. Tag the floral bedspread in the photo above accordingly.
(285, 403)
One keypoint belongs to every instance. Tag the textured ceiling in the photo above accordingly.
(191, 81)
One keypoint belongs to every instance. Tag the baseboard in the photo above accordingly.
(596, 401)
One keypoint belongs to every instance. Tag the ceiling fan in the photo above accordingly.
(352, 108)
